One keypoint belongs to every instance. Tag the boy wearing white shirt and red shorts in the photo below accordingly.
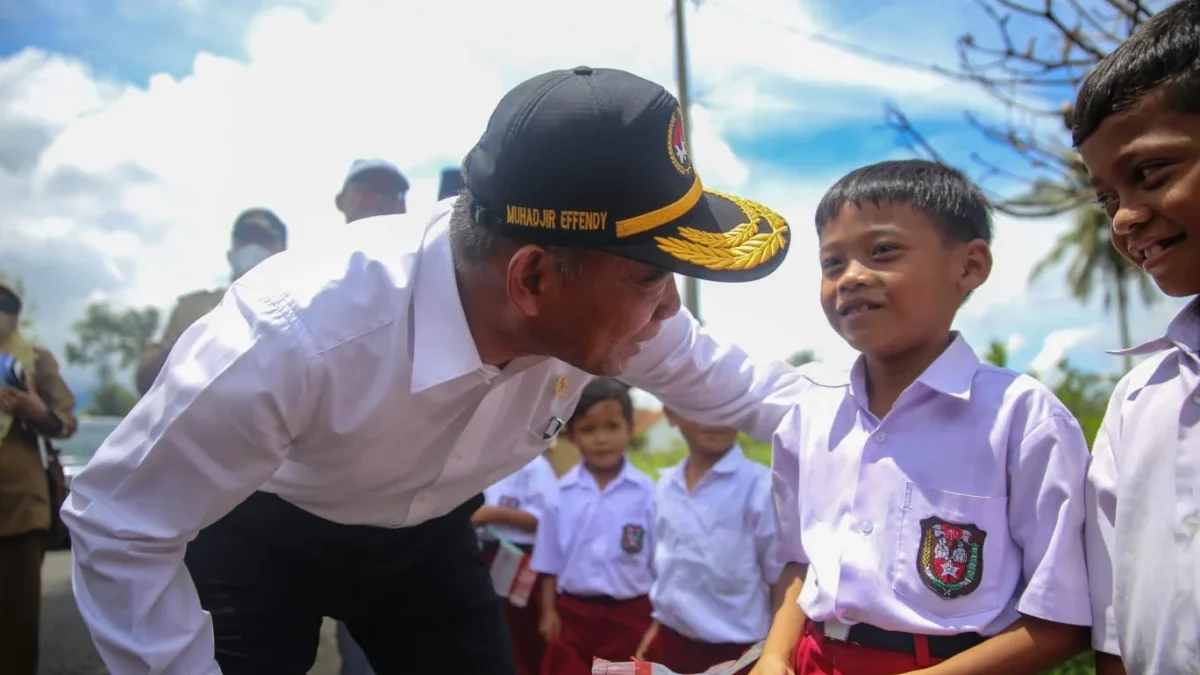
(715, 557)
(930, 505)
(512, 508)
(594, 549)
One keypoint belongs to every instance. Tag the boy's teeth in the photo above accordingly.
(1153, 250)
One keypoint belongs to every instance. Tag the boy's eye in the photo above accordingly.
(830, 263)
(1149, 172)
(881, 249)
(1106, 202)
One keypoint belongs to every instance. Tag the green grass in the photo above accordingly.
(653, 463)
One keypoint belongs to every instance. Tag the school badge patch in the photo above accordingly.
(633, 538)
(509, 502)
(950, 558)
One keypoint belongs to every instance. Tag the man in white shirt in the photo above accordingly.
(316, 444)
(373, 187)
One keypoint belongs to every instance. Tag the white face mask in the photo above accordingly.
(243, 259)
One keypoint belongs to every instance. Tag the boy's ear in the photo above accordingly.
(976, 266)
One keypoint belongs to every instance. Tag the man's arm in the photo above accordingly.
(713, 383)
(240, 385)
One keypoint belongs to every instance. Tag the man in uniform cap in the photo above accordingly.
(373, 187)
(317, 444)
(257, 235)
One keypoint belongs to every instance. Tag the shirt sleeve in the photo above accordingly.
(763, 524)
(235, 390)
(1045, 514)
(547, 556)
(785, 486)
(1100, 530)
(542, 490)
(710, 382)
(54, 393)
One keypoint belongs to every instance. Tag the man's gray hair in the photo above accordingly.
(471, 244)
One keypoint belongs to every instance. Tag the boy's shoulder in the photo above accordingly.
(1023, 400)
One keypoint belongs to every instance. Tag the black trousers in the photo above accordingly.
(418, 600)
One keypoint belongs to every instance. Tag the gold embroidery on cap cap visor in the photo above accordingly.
(742, 248)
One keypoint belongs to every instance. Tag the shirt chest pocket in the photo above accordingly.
(948, 545)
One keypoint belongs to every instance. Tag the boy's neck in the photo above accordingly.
(604, 476)
(698, 465)
(887, 378)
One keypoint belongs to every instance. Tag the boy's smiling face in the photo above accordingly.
(1145, 166)
(891, 283)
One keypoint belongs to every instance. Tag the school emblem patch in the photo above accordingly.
(950, 559)
(633, 538)
(560, 386)
(509, 502)
(677, 144)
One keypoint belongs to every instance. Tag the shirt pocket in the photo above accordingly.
(948, 546)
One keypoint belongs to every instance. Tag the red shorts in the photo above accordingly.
(595, 628)
(685, 655)
(819, 655)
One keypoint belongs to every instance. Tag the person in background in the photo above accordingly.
(373, 187)
(1137, 127)
(34, 402)
(930, 505)
(714, 550)
(257, 235)
(595, 548)
(513, 507)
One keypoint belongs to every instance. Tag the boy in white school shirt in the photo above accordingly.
(930, 505)
(595, 548)
(512, 508)
(1137, 127)
(715, 553)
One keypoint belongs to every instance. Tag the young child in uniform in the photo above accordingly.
(594, 548)
(930, 505)
(512, 508)
(714, 553)
(1137, 127)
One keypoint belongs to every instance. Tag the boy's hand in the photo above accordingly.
(772, 664)
(483, 516)
(549, 626)
(648, 638)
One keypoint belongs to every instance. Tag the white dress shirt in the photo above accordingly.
(878, 509)
(1143, 518)
(532, 489)
(599, 542)
(344, 380)
(715, 553)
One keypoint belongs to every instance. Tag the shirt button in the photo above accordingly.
(867, 527)
(880, 437)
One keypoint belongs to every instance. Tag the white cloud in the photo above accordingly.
(128, 193)
(1056, 345)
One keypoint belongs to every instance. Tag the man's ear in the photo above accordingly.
(976, 266)
(532, 276)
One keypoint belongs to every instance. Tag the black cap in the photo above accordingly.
(450, 183)
(597, 158)
(259, 225)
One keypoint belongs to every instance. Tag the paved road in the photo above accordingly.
(67, 647)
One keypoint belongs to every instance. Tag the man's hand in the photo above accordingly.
(772, 664)
(647, 639)
(549, 626)
(21, 403)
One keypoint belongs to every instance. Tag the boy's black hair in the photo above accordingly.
(599, 390)
(955, 205)
(1162, 55)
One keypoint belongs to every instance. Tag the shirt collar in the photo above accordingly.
(1183, 331)
(443, 348)
(728, 464)
(951, 373)
(579, 475)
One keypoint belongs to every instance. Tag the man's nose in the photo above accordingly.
(669, 303)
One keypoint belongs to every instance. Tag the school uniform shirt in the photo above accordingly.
(1143, 508)
(344, 379)
(714, 552)
(531, 489)
(599, 542)
(958, 510)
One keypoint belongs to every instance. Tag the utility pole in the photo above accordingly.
(691, 288)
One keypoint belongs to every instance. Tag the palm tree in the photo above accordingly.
(1094, 263)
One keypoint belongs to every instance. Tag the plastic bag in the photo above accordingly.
(511, 575)
(602, 667)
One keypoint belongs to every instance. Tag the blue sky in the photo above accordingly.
(145, 125)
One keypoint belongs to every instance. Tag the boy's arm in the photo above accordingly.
(788, 622)
(1108, 664)
(1046, 470)
(766, 543)
(500, 515)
